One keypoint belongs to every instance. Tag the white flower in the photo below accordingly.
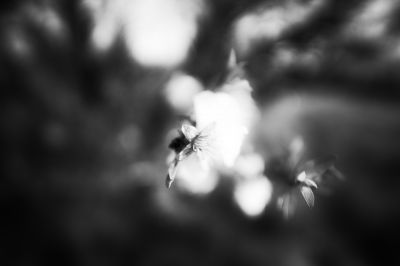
(201, 143)
(232, 111)
(221, 121)
(221, 127)
(311, 175)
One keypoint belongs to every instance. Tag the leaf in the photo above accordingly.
(186, 152)
(308, 195)
(172, 169)
(173, 166)
(304, 178)
(168, 181)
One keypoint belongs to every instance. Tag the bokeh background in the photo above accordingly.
(87, 109)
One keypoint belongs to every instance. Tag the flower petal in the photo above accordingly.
(173, 166)
(310, 183)
(302, 177)
(308, 195)
(189, 131)
(171, 172)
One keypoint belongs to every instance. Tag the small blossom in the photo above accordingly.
(190, 141)
(221, 122)
(308, 177)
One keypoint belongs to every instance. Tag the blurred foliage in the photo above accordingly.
(85, 134)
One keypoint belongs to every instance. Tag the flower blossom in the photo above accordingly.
(220, 122)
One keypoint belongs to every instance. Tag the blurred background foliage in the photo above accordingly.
(85, 127)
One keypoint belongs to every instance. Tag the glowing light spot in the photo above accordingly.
(194, 178)
(157, 32)
(252, 196)
(160, 32)
(180, 91)
(232, 113)
(107, 16)
(103, 35)
(226, 114)
(250, 165)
